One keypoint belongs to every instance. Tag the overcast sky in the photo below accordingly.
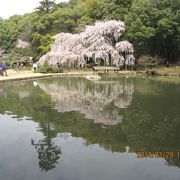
(11, 7)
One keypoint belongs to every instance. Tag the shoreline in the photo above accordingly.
(29, 74)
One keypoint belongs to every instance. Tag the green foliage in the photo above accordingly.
(42, 43)
(57, 70)
(85, 20)
(23, 51)
(47, 25)
(14, 27)
(49, 69)
(152, 25)
(102, 9)
(42, 69)
(46, 42)
(61, 20)
(166, 71)
(45, 6)
(14, 56)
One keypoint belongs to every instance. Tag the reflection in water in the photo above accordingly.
(3, 92)
(35, 83)
(23, 94)
(149, 110)
(100, 103)
(48, 153)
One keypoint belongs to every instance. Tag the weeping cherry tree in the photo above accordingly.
(99, 44)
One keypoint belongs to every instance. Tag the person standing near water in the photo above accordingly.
(58, 64)
(35, 67)
(18, 66)
(4, 68)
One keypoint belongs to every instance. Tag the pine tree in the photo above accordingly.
(46, 6)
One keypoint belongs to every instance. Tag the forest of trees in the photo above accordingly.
(151, 25)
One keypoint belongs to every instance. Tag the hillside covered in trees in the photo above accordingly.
(151, 25)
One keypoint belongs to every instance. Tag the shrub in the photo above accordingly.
(147, 60)
(57, 70)
(49, 69)
(42, 69)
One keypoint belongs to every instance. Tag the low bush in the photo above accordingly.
(152, 61)
(41, 69)
(49, 69)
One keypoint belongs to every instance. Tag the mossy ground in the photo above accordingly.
(168, 71)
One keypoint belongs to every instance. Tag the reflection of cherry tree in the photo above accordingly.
(99, 43)
(48, 153)
(100, 102)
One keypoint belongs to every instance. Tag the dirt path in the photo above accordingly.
(29, 74)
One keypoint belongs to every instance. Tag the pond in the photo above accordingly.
(74, 129)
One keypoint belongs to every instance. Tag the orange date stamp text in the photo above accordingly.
(158, 154)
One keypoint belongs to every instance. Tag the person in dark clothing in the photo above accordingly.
(4, 68)
(58, 64)
(18, 66)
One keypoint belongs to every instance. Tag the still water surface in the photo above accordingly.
(75, 129)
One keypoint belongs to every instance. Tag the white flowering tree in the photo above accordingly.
(99, 44)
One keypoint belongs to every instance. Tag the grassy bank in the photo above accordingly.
(167, 71)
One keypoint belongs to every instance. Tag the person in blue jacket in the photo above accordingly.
(4, 68)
